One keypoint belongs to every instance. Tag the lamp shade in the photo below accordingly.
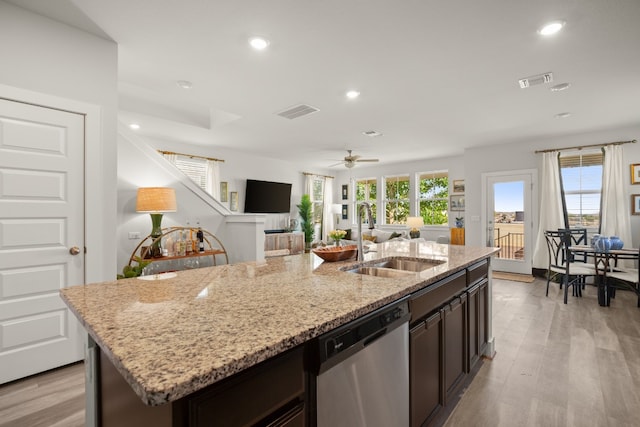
(415, 222)
(156, 199)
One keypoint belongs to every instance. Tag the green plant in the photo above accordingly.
(306, 218)
(133, 271)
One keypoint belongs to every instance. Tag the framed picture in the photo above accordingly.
(635, 204)
(635, 173)
(458, 185)
(345, 211)
(345, 192)
(233, 201)
(224, 193)
(457, 203)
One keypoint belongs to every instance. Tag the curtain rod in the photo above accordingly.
(193, 156)
(580, 147)
(317, 174)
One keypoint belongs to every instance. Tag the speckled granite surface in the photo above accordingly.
(172, 337)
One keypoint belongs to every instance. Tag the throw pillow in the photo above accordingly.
(381, 236)
(368, 237)
(394, 235)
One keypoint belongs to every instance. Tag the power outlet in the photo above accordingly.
(134, 235)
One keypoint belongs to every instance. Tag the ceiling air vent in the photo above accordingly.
(535, 80)
(372, 133)
(297, 111)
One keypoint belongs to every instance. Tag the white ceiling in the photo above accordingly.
(435, 76)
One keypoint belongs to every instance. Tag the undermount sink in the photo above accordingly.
(395, 267)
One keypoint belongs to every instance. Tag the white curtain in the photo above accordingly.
(213, 179)
(615, 213)
(551, 213)
(328, 222)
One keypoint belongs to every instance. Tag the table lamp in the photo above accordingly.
(414, 222)
(155, 201)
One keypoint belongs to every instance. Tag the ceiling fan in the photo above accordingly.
(350, 160)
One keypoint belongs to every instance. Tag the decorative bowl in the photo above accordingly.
(336, 253)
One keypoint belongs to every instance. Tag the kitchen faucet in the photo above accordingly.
(367, 206)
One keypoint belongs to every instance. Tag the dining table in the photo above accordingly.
(605, 261)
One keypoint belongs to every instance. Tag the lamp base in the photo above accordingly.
(414, 233)
(156, 232)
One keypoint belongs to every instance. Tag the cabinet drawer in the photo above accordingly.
(477, 271)
(252, 396)
(434, 296)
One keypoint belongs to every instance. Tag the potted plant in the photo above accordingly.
(459, 222)
(306, 220)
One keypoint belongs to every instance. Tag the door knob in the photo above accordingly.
(74, 250)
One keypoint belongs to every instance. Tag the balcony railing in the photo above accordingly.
(511, 245)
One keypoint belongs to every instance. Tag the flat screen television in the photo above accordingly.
(267, 197)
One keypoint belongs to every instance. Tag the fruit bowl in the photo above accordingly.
(336, 253)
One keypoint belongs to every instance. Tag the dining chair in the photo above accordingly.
(622, 277)
(572, 273)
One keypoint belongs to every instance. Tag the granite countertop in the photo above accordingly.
(169, 338)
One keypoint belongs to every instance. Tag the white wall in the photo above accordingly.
(521, 155)
(137, 169)
(53, 61)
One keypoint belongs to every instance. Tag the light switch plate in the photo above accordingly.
(134, 235)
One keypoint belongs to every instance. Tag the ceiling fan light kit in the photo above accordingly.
(350, 160)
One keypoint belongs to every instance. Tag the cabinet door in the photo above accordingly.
(425, 340)
(455, 345)
(472, 326)
(483, 312)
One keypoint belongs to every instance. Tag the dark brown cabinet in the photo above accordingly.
(269, 394)
(455, 345)
(426, 357)
(447, 337)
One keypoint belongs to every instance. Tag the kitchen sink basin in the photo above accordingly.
(395, 267)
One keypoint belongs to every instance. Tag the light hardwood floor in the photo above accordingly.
(556, 365)
(52, 399)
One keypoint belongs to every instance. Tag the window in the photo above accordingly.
(317, 198)
(367, 191)
(581, 177)
(196, 169)
(396, 203)
(433, 198)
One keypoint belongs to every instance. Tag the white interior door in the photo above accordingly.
(509, 220)
(41, 224)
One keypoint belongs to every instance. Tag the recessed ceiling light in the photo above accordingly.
(561, 86)
(562, 115)
(353, 94)
(551, 28)
(258, 43)
(184, 84)
(134, 126)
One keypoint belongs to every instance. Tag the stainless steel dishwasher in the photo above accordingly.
(363, 377)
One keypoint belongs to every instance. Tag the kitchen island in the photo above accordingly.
(170, 339)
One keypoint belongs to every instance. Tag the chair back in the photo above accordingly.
(576, 237)
(557, 248)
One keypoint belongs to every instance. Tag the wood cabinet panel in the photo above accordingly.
(434, 296)
(426, 358)
(455, 345)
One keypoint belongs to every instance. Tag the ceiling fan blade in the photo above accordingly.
(367, 160)
(337, 164)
